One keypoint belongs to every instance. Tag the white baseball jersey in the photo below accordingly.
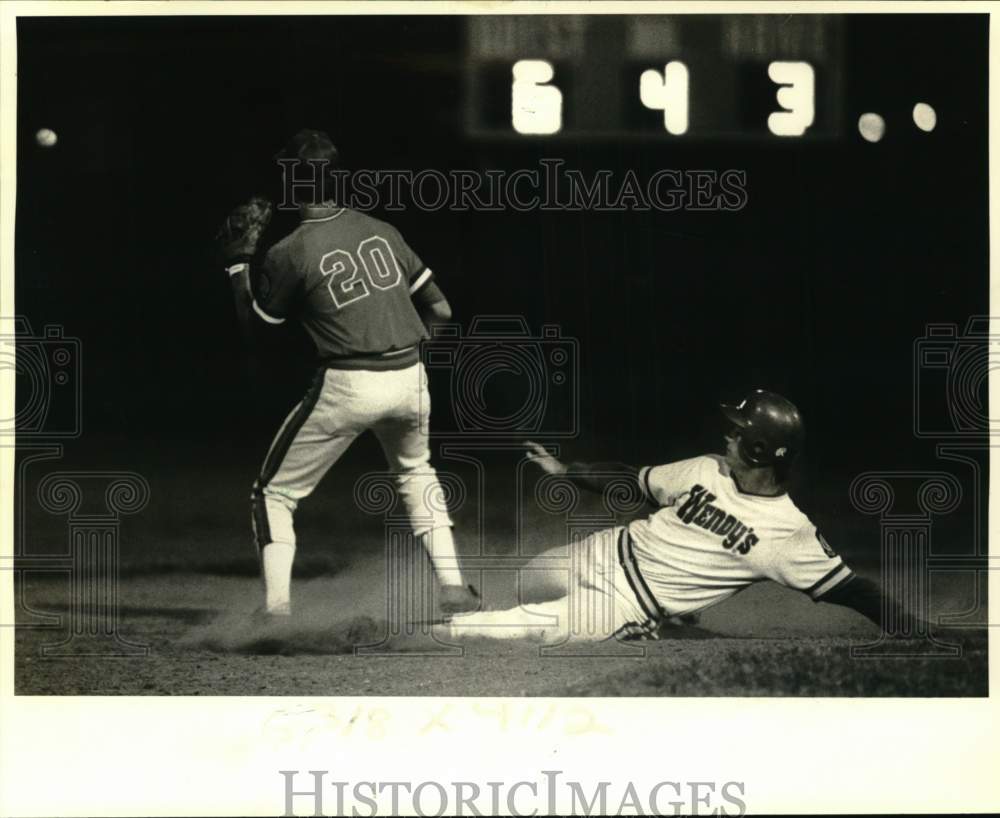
(709, 539)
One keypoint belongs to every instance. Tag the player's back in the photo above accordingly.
(710, 539)
(348, 277)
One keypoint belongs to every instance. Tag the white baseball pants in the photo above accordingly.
(597, 597)
(339, 406)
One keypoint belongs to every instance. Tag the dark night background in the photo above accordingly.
(818, 288)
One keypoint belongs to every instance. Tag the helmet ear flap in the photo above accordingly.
(753, 450)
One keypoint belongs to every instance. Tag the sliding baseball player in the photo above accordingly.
(719, 524)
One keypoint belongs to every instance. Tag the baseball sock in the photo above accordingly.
(440, 546)
(276, 563)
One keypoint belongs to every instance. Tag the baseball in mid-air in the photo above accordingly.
(872, 127)
(46, 137)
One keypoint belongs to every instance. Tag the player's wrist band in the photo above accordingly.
(239, 267)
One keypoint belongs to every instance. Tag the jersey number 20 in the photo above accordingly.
(347, 282)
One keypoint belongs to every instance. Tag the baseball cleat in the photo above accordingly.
(270, 632)
(458, 599)
(262, 616)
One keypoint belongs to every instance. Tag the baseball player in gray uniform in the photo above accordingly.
(364, 297)
(718, 525)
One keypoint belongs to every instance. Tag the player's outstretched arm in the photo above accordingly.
(591, 476)
(868, 599)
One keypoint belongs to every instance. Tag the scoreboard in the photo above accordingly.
(687, 77)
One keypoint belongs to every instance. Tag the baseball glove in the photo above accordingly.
(237, 239)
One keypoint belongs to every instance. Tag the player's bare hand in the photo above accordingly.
(548, 463)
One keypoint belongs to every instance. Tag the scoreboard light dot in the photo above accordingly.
(924, 116)
(872, 127)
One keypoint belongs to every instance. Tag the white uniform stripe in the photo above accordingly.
(393, 352)
(324, 218)
(270, 319)
(421, 280)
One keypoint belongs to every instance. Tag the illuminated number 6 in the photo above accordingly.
(796, 96)
(345, 285)
(535, 108)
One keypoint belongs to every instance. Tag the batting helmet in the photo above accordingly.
(771, 428)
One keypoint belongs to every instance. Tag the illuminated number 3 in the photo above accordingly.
(345, 281)
(796, 96)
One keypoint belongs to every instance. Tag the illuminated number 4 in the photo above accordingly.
(345, 280)
(669, 94)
